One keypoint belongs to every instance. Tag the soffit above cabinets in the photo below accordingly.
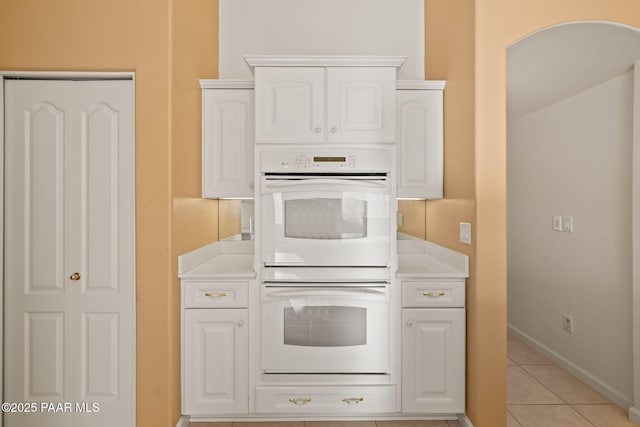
(320, 27)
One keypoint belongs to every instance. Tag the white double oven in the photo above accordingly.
(325, 243)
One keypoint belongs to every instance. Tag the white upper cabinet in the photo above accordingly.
(420, 139)
(325, 99)
(361, 104)
(227, 139)
(290, 105)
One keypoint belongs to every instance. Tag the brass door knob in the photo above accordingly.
(75, 276)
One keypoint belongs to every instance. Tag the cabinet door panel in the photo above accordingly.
(361, 104)
(420, 152)
(433, 360)
(290, 104)
(227, 143)
(216, 362)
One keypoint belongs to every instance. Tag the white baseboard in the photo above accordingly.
(464, 421)
(596, 383)
(634, 414)
(183, 421)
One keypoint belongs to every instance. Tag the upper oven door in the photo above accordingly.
(325, 220)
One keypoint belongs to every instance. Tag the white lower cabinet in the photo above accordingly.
(216, 361)
(343, 400)
(433, 360)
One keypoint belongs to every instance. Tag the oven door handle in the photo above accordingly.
(293, 183)
(326, 292)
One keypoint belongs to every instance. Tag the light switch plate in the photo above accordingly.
(567, 224)
(557, 223)
(465, 233)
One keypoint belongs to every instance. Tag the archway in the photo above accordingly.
(571, 141)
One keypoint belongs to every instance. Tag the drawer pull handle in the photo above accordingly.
(299, 401)
(434, 294)
(352, 400)
(215, 295)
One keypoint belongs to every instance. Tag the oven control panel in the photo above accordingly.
(353, 161)
(304, 161)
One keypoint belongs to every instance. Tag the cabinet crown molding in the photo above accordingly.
(421, 84)
(323, 61)
(225, 84)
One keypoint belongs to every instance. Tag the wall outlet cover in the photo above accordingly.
(465, 233)
(567, 323)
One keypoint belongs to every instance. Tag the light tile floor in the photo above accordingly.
(541, 394)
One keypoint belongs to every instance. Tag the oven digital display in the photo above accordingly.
(329, 159)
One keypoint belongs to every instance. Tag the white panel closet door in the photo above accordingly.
(69, 268)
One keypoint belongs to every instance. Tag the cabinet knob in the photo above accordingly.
(251, 186)
(240, 323)
(410, 323)
(334, 129)
(75, 277)
(317, 129)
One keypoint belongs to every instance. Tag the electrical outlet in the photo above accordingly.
(567, 323)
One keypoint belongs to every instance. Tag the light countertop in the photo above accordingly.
(233, 259)
(421, 259)
(425, 266)
(226, 259)
(224, 266)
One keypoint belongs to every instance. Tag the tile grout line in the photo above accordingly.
(570, 405)
(545, 387)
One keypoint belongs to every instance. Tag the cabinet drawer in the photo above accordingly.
(216, 294)
(326, 400)
(433, 294)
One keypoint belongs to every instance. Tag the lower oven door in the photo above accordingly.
(325, 329)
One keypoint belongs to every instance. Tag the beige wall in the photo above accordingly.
(145, 36)
(468, 49)
(119, 35)
(194, 56)
(450, 55)
(500, 23)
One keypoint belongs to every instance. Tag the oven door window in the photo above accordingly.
(325, 218)
(325, 326)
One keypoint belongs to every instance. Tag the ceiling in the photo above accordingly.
(561, 61)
